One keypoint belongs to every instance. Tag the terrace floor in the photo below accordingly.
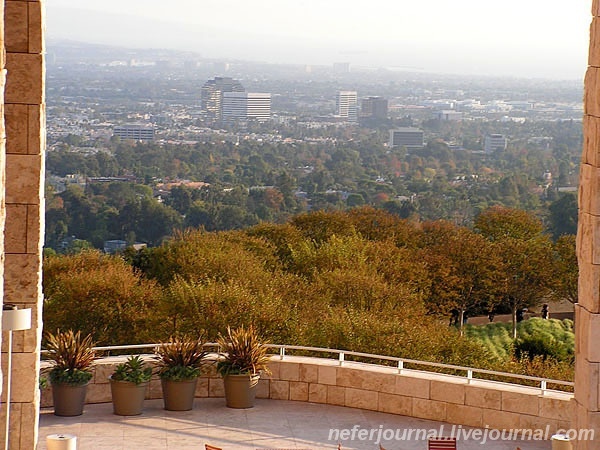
(271, 424)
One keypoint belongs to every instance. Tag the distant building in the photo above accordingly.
(114, 245)
(495, 142)
(411, 138)
(190, 64)
(522, 105)
(212, 94)
(135, 131)
(123, 179)
(448, 115)
(374, 107)
(341, 67)
(347, 105)
(220, 66)
(438, 105)
(117, 245)
(246, 106)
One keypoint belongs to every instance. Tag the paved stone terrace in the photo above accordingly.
(271, 424)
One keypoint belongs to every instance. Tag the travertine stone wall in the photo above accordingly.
(2, 152)
(587, 311)
(23, 193)
(377, 388)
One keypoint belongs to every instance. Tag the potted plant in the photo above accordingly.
(72, 357)
(128, 385)
(242, 359)
(179, 366)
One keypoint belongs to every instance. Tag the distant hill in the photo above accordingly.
(63, 51)
(79, 24)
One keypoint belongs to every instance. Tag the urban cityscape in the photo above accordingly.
(392, 129)
(267, 225)
(151, 151)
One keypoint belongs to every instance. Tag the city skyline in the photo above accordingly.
(545, 39)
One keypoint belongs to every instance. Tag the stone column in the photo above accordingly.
(2, 163)
(587, 311)
(24, 115)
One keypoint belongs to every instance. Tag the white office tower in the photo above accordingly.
(347, 105)
(246, 106)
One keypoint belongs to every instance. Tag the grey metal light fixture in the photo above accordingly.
(13, 319)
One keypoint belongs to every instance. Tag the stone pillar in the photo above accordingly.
(24, 114)
(2, 162)
(587, 311)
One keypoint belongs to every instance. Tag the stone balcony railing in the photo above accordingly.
(426, 395)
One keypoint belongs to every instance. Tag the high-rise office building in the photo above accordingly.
(246, 106)
(347, 105)
(374, 107)
(212, 94)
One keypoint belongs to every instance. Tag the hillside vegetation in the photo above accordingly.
(360, 280)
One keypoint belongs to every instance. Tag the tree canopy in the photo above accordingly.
(361, 280)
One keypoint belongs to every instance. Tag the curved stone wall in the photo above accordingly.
(412, 393)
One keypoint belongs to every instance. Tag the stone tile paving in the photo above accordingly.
(271, 424)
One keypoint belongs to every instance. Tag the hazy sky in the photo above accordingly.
(530, 38)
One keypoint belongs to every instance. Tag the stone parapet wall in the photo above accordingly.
(412, 393)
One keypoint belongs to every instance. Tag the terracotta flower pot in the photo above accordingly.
(179, 395)
(240, 390)
(128, 398)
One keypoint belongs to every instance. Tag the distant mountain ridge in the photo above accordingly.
(70, 51)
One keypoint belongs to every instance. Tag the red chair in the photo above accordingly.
(441, 443)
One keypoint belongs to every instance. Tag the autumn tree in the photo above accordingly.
(101, 295)
(378, 224)
(498, 222)
(462, 267)
(319, 226)
(566, 271)
(563, 215)
(526, 257)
